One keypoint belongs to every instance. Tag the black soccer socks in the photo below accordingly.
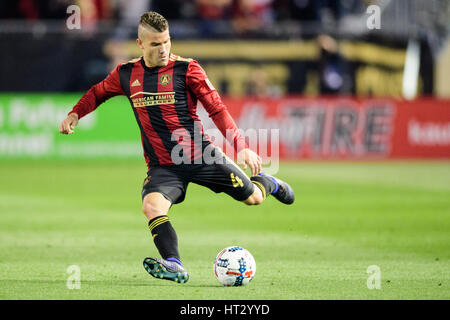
(165, 238)
(265, 183)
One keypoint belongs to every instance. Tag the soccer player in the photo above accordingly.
(163, 90)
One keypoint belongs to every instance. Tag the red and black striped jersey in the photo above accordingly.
(164, 102)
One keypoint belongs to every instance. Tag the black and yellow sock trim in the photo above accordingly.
(164, 237)
(265, 183)
(157, 221)
(261, 187)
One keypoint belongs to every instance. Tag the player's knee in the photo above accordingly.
(254, 199)
(151, 210)
(155, 205)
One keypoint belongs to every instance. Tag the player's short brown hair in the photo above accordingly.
(154, 20)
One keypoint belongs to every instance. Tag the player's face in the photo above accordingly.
(155, 47)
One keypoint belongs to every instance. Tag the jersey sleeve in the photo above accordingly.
(99, 93)
(204, 91)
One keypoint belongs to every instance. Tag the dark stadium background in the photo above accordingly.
(39, 48)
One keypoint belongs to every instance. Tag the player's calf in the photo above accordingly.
(155, 207)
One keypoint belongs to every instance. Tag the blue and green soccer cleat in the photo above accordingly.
(164, 269)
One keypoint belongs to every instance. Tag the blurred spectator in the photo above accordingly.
(301, 10)
(212, 15)
(331, 67)
(259, 85)
(93, 11)
(28, 9)
(325, 13)
(130, 11)
(174, 9)
(214, 9)
(33, 9)
(252, 15)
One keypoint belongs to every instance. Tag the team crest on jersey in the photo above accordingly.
(165, 79)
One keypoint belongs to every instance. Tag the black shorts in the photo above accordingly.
(172, 181)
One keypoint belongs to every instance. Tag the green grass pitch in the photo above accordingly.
(347, 217)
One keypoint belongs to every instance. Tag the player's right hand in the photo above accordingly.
(68, 124)
(247, 157)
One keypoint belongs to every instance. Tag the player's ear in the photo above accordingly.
(139, 43)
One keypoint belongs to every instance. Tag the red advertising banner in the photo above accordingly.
(348, 128)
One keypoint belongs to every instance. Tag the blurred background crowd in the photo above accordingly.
(306, 47)
(243, 15)
(236, 18)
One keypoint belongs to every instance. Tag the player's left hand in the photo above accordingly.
(249, 158)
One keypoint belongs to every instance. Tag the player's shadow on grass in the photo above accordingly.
(119, 282)
(164, 283)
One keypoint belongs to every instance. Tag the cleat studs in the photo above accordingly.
(158, 270)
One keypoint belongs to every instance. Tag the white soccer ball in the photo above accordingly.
(234, 266)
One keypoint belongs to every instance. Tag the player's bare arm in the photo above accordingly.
(68, 125)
